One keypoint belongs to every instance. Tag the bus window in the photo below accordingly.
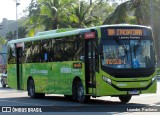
(12, 54)
(29, 52)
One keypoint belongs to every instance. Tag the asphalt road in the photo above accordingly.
(58, 104)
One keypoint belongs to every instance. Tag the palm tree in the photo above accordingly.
(102, 10)
(120, 15)
(49, 14)
(84, 14)
(80, 16)
(140, 9)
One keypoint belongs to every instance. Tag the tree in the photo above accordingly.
(102, 10)
(80, 16)
(137, 9)
(2, 42)
(120, 15)
(22, 32)
(48, 14)
(11, 35)
(53, 14)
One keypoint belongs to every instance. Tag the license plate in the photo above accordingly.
(133, 92)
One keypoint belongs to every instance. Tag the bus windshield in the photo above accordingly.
(126, 54)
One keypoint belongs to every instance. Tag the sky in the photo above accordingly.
(8, 9)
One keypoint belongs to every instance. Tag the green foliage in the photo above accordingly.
(81, 15)
(128, 11)
(102, 10)
(50, 13)
(11, 35)
(22, 31)
(2, 40)
(53, 14)
(120, 15)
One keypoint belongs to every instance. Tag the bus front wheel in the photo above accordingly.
(125, 98)
(80, 93)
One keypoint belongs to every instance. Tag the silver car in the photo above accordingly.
(4, 79)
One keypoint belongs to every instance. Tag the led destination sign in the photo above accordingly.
(125, 32)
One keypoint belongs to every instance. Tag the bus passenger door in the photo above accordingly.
(90, 63)
(19, 52)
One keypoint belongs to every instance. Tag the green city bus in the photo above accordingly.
(109, 60)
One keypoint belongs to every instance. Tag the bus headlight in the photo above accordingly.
(109, 81)
(154, 78)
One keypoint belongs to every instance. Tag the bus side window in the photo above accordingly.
(79, 49)
(48, 52)
(36, 51)
(28, 51)
(12, 54)
(51, 50)
(58, 50)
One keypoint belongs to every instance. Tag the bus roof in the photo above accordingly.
(67, 32)
(55, 31)
(51, 34)
(126, 25)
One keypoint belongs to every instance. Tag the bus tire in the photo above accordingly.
(80, 93)
(31, 89)
(74, 91)
(125, 98)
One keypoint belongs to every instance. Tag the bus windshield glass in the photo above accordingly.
(127, 54)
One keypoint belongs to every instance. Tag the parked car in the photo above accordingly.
(4, 79)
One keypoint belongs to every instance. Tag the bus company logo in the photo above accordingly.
(65, 70)
(35, 71)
